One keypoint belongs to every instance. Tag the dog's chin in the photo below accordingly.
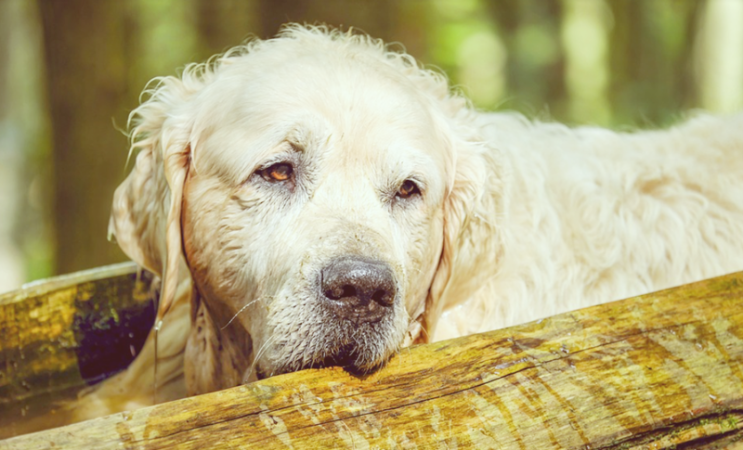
(346, 357)
(321, 338)
(340, 348)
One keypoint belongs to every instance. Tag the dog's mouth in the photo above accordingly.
(349, 315)
(351, 359)
(348, 357)
(359, 349)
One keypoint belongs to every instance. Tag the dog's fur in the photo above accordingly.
(516, 220)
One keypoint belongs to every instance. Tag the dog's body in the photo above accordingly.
(594, 216)
(298, 161)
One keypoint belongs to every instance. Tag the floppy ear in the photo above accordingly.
(462, 225)
(146, 211)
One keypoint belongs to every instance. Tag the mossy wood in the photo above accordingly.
(663, 370)
(63, 335)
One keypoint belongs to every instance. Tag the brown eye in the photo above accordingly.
(277, 172)
(408, 189)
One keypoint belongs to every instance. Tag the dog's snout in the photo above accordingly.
(359, 289)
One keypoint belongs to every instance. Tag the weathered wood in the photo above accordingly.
(663, 370)
(61, 335)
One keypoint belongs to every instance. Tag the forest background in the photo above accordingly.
(71, 70)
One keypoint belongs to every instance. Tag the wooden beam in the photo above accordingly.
(61, 335)
(663, 370)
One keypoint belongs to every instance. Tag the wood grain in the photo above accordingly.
(62, 335)
(663, 370)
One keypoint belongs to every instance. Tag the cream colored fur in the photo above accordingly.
(517, 220)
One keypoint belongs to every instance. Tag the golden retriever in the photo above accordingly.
(319, 199)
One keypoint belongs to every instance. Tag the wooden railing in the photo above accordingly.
(663, 370)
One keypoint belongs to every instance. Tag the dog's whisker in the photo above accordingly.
(258, 355)
(239, 311)
(425, 332)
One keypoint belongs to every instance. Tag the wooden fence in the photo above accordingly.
(663, 370)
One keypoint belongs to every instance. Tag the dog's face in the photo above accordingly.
(313, 211)
(314, 189)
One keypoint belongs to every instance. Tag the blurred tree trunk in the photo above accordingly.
(11, 159)
(84, 42)
(375, 17)
(540, 83)
(720, 67)
(223, 25)
(651, 53)
(25, 250)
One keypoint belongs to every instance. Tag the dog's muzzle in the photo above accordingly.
(357, 289)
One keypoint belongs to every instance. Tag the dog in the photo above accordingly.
(319, 199)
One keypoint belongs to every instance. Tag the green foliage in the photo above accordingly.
(620, 63)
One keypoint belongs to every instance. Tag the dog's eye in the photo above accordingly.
(278, 172)
(408, 189)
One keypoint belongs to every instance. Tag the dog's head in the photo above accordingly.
(315, 185)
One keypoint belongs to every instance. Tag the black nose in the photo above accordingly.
(358, 289)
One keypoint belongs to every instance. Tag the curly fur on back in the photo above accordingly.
(591, 215)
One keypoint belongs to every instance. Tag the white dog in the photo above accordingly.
(320, 199)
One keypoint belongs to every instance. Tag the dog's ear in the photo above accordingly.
(462, 226)
(146, 210)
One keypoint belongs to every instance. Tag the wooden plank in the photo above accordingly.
(61, 335)
(663, 370)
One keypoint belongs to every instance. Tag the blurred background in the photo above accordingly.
(71, 70)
